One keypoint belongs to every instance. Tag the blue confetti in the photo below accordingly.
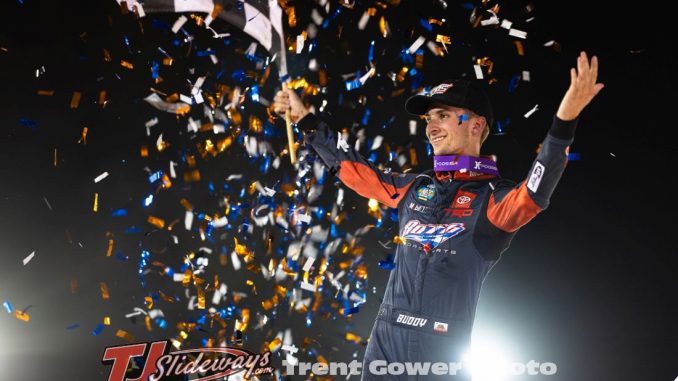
(119, 213)
(573, 156)
(514, 83)
(426, 25)
(155, 177)
(205, 53)
(8, 306)
(352, 85)
(72, 327)
(388, 263)
(28, 123)
(97, 330)
(255, 93)
(370, 54)
(366, 117)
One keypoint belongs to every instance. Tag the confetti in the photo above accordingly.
(101, 177)
(28, 258)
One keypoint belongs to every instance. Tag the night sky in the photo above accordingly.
(591, 284)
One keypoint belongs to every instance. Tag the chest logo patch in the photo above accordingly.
(463, 199)
(432, 234)
(426, 193)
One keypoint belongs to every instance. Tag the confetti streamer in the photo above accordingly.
(28, 258)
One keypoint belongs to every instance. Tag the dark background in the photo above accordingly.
(590, 285)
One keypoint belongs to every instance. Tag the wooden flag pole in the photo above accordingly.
(290, 134)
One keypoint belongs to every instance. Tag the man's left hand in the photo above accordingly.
(583, 88)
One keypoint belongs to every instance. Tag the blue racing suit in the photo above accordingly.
(453, 228)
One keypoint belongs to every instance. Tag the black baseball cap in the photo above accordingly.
(461, 93)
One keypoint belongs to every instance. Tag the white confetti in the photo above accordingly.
(28, 258)
(341, 143)
(506, 24)
(173, 173)
(517, 33)
(101, 177)
(235, 261)
(308, 264)
(377, 142)
(479, 71)
(300, 43)
(188, 220)
(307, 286)
(413, 127)
(363, 20)
(416, 45)
(179, 23)
(535, 108)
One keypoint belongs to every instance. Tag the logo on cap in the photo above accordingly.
(440, 88)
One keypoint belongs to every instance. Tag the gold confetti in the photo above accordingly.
(187, 205)
(107, 320)
(144, 151)
(157, 222)
(401, 75)
(95, 207)
(22, 316)
(83, 137)
(109, 252)
(102, 98)
(383, 27)
(127, 65)
(398, 240)
(55, 158)
(519, 47)
(353, 337)
(75, 99)
(104, 291)
(47, 93)
(124, 335)
(201, 298)
(445, 40)
(275, 344)
(192, 176)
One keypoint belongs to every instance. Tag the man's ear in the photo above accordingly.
(478, 125)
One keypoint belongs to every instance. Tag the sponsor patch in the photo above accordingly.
(536, 176)
(440, 327)
(463, 199)
(426, 193)
(440, 89)
(418, 208)
(411, 320)
(432, 234)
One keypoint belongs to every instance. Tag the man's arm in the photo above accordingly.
(353, 170)
(511, 208)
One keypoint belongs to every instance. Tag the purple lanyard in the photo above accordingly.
(463, 163)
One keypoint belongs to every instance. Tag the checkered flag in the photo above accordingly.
(261, 19)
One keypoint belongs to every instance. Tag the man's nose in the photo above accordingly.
(431, 127)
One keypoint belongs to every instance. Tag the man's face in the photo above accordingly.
(447, 130)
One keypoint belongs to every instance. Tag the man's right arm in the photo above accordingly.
(353, 170)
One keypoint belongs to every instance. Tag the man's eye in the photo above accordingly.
(442, 116)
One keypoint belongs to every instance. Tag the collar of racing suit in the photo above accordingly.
(464, 176)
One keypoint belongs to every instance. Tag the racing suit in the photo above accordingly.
(453, 228)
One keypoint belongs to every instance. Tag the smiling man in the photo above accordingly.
(455, 221)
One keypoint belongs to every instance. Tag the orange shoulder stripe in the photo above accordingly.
(362, 179)
(515, 210)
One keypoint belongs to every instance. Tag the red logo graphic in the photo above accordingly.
(463, 199)
(216, 362)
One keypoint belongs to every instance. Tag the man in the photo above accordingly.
(455, 221)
